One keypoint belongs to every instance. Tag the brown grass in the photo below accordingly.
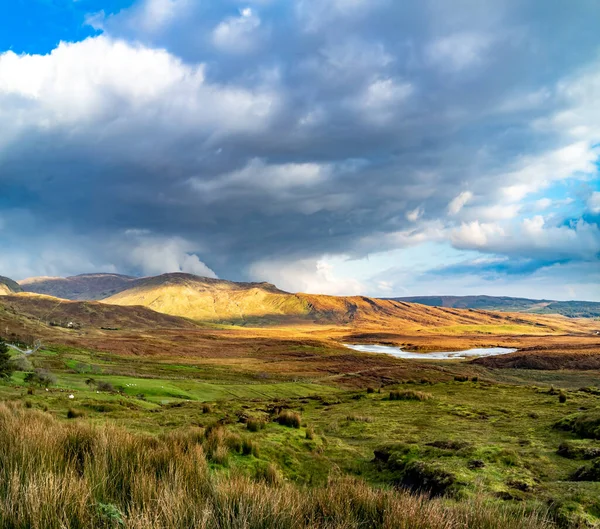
(56, 475)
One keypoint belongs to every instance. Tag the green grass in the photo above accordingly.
(495, 438)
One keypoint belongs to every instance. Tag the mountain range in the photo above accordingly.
(572, 309)
(58, 301)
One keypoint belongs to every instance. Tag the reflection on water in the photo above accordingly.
(441, 355)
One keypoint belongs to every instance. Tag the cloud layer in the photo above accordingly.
(267, 140)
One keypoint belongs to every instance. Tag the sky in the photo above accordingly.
(344, 147)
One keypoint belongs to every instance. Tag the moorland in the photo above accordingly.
(179, 401)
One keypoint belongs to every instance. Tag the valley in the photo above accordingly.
(184, 356)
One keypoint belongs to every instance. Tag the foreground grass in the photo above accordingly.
(71, 475)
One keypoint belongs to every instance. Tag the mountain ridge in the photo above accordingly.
(572, 309)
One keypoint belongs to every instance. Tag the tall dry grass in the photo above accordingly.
(70, 475)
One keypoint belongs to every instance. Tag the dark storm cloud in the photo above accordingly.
(287, 130)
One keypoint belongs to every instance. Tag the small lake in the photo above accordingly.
(440, 355)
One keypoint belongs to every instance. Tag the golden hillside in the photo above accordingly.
(208, 299)
(215, 300)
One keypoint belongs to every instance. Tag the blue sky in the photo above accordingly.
(334, 146)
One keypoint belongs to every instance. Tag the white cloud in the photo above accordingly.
(475, 234)
(459, 202)
(532, 237)
(153, 256)
(542, 204)
(415, 214)
(313, 276)
(382, 98)
(458, 51)
(576, 160)
(110, 83)
(238, 34)
(593, 202)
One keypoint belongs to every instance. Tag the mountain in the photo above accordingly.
(82, 287)
(8, 286)
(217, 300)
(572, 309)
(207, 299)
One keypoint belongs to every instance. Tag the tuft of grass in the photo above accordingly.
(410, 394)
(254, 425)
(289, 418)
(74, 414)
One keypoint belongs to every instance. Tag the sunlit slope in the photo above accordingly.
(208, 299)
(214, 300)
(8, 286)
(364, 312)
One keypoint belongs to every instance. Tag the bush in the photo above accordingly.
(290, 419)
(310, 433)
(21, 363)
(461, 378)
(249, 448)
(107, 387)
(41, 377)
(370, 390)
(410, 394)
(74, 414)
(562, 397)
(206, 408)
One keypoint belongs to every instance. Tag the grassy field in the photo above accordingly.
(284, 427)
(460, 432)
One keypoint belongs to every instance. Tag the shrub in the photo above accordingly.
(461, 378)
(474, 379)
(289, 418)
(28, 404)
(21, 363)
(310, 433)
(206, 408)
(370, 390)
(410, 394)
(74, 414)
(562, 397)
(41, 377)
(105, 386)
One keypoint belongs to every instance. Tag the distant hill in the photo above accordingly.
(210, 299)
(82, 287)
(572, 309)
(8, 286)
(220, 301)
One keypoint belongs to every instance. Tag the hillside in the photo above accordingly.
(81, 287)
(47, 317)
(209, 299)
(572, 309)
(215, 300)
(8, 286)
